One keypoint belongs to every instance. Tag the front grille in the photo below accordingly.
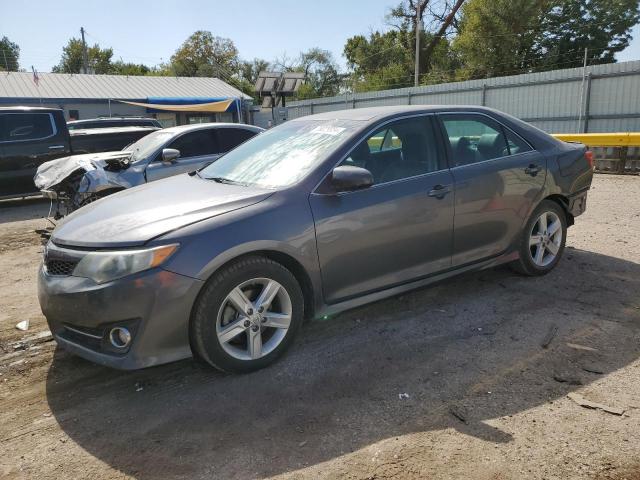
(60, 267)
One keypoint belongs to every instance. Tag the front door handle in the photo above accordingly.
(439, 191)
(56, 147)
(532, 170)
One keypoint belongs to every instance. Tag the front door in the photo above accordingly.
(399, 229)
(197, 149)
(498, 176)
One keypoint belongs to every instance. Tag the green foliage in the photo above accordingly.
(501, 37)
(9, 55)
(71, 62)
(570, 26)
(386, 60)
(321, 74)
(203, 55)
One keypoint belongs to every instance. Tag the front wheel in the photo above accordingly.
(247, 315)
(542, 240)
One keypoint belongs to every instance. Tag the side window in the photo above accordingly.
(403, 149)
(384, 140)
(26, 126)
(474, 138)
(515, 143)
(230, 138)
(195, 144)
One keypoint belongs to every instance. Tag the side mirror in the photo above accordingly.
(346, 178)
(169, 155)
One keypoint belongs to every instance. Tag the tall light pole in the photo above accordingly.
(416, 79)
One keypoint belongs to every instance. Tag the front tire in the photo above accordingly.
(542, 240)
(247, 315)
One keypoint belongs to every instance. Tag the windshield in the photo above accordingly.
(281, 156)
(148, 144)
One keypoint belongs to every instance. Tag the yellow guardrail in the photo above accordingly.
(622, 139)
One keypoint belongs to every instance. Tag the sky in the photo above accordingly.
(149, 31)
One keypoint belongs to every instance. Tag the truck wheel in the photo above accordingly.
(247, 315)
(542, 240)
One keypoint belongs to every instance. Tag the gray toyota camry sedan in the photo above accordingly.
(315, 216)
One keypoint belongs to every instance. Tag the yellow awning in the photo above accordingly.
(221, 106)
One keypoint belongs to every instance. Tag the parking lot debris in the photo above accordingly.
(592, 367)
(403, 396)
(583, 402)
(139, 387)
(566, 377)
(577, 346)
(459, 412)
(23, 325)
(551, 333)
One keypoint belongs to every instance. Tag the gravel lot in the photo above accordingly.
(484, 399)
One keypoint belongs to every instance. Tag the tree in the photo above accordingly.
(440, 15)
(320, 72)
(249, 70)
(132, 69)
(9, 55)
(203, 55)
(71, 62)
(603, 27)
(386, 60)
(501, 37)
(498, 36)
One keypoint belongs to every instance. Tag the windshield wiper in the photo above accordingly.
(228, 181)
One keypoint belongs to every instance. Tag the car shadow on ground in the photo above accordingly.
(471, 345)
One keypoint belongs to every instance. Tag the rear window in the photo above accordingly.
(16, 127)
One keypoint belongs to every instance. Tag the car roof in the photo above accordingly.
(110, 119)
(213, 125)
(375, 113)
(29, 109)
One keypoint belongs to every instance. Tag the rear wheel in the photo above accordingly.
(247, 315)
(542, 240)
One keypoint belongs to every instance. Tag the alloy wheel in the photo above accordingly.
(254, 318)
(545, 239)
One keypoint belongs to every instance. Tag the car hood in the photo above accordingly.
(51, 173)
(133, 217)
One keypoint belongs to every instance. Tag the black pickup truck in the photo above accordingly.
(30, 136)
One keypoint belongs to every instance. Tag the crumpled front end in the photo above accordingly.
(77, 180)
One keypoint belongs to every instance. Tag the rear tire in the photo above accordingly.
(247, 315)
(542, 240)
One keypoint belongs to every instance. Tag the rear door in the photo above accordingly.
(498, 177)
(197, 149)
(27, 140)
(398, 230)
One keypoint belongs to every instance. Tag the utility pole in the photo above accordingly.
(85, 56)
(416, 79)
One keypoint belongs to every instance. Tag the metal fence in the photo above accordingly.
(600, 98)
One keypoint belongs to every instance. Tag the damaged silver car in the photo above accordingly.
(77, 180)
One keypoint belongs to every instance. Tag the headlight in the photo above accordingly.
(106, 266)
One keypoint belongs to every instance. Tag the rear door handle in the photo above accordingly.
(439, 191)
(532, 170)
(56, 147)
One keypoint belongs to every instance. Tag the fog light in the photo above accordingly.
(120, 337)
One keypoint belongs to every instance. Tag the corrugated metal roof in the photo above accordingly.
(62, 85)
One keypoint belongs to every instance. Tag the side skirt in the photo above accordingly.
(397, 290)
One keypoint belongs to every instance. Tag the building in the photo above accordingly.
(172, 100)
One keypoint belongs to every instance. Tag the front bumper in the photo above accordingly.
(154, 305)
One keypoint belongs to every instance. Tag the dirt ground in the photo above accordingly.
(451, 381)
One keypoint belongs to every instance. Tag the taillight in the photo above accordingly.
(588, 156)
